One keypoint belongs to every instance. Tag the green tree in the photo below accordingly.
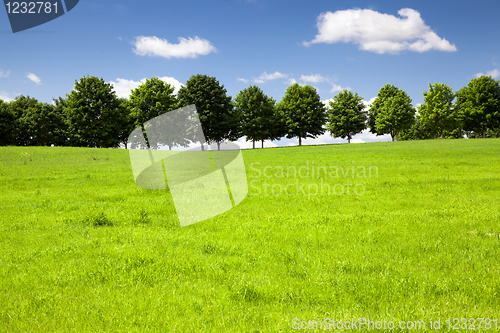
(215, 109)
(151, 99)
(383, 95)
(257, 114)
(93, 114)
(129, 121)
(346, 115)
(416, 132)
(437, 113)
(18, 108)
(397, 115)
(7, 124)
(45, 125)
(479, 105)
(301, 113)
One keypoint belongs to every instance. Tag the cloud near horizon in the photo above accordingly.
(494, 73)
(123, 87)
(378, 32)
(186, 48)
(266, 77)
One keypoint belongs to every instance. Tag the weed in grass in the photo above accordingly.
(99, 220)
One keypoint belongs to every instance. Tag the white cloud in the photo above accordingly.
(186, 48)
(290, 81)
(123, 87)
(5, 96)
(266, 77)
(34, 78)
(494, 73)
(4, 73)
(336, 88)
(313, 78)
(378, 32)
(242, 80)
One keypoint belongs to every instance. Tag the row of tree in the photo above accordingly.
(93, 116)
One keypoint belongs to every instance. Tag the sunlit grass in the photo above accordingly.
(82, 248)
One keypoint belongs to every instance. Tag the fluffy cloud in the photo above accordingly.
(242, 80)
(123, 87)
(336, 88)
(186, 48)
(378, 32)
(4, 73)
(266, 77)
(34, 78)
(313, 78)
(5, 96)
(494, 73)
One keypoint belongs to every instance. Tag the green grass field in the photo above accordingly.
(83, 249)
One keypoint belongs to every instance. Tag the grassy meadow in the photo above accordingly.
(415, 237)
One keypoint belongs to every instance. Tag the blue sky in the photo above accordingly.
(360, 45)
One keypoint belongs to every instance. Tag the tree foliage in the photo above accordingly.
(45, 125)
(395, 116)
(215, 108)
(383, 95)
(257, 113)
(437, 113)
(301, 113)
(152, 99)
(346, 115)
(19, 107)
(93, 114)
(479, 105)
(7, 124)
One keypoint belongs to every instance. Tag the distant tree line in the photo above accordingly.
(93, 116)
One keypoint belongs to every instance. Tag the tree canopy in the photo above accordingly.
(346, 115)
(437, 112)
(93, 113)
(214, 107)
(257, 113)
(301, 113)
(479, 105)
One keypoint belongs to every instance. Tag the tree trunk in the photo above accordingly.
(475, 134)
(348, 139)
(397, 137)
(484, 133)
(441, 134)
(262, 143)
(218, 145)
(253, 143)
(300, 141)
(202, 148)
(434, 136)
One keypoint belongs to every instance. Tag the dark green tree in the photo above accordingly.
(7, 124)
(384, 93)
(93, 114)
(215, 109)
(152, 99)
(301, 113)
(416, 132)
(257, 112)
(437, 113)
(45, 125)
(478, 105)
(129, 121)
(397, 115)
(19, 107)
(346, 115)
